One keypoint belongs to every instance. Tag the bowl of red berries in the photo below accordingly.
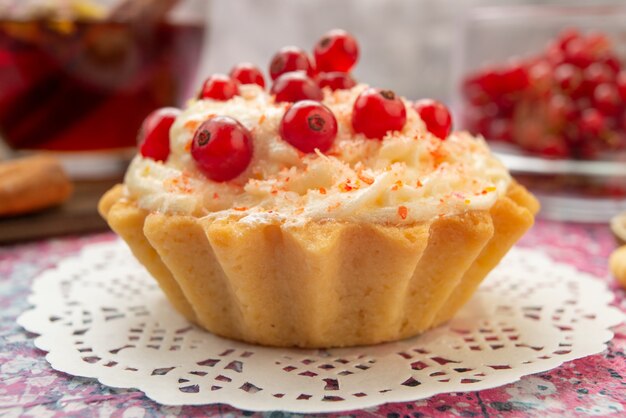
(546, 86)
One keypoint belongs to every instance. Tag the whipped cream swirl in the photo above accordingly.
(408, 176)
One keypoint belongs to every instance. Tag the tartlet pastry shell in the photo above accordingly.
(319, 284)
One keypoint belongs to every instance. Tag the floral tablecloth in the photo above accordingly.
(595, 385)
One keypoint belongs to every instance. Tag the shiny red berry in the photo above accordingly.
(308, 125)
(620, 82)
(591, 122)
(540, 76)
(154, 135)
(567, 36)
(612, 62)
(336, 51)
(335, 80)
(578, 53)
(246, 73)
(560, 111)
(553, 146)
(295, 86)
(436, 116)
(376, 112)
(290, 58)
(568, 77)
(513, 78)
(222, 148)
(594, 75)
(219, 87)
(606, 99)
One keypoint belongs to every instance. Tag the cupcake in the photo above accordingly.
(322, 213)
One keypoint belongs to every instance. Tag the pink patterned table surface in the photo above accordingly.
(595, 385)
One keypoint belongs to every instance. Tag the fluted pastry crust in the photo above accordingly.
(321, 283)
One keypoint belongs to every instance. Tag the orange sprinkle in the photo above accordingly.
(262, 119)
(345, 186)
(403, 212)
(438, 155)
(365, 179)
(334, 206)
(397, 185)
(178, 184)
(419, 183)
(188, 146)
(322, 190)
(216, 196)
(242, 208)
(192, 125)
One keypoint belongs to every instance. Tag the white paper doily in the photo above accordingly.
(101, 315)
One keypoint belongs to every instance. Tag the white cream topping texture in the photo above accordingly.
(407, 177)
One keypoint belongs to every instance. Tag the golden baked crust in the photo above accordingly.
(322, 284)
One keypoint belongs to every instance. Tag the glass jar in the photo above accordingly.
(79, 82)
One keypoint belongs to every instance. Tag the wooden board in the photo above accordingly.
(76, 216)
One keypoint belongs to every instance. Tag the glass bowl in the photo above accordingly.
(528, 79)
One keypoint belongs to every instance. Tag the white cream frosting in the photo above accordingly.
(407, 177)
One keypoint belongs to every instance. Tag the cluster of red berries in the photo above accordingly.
(295, 75)
(222, 147)
(567, 102)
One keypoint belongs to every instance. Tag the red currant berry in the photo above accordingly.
(246, 73)
(335, 80)
(488, 82)
(620, 82)
(376, 112)
(540, 76)
(513, 78)
(290, 58)
(436, 117)
(154, 135)
(219, 87)
(560, 111)
(553, 146)
(597, 44)
(606, 99)
(594, 75)
(555, 55)
(295, 86)
(612, 62)
(308, 125)
(568, 77)
(578, 53)
(222, 148)
(336, 51)
(567, 36)
(591, 122)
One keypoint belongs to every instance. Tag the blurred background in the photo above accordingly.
(77, 78)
